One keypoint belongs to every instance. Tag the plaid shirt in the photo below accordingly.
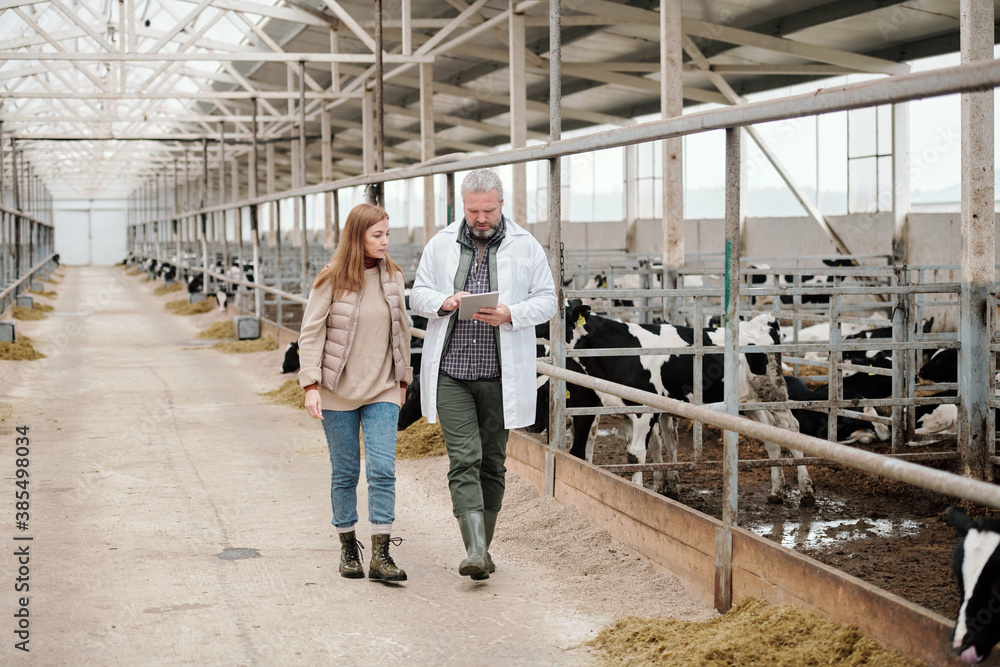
(471, 353)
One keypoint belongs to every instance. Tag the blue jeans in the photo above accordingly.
(379, 423)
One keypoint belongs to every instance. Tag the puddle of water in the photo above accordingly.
(826, 534)
(237, 554)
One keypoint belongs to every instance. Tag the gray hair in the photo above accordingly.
(482, 180)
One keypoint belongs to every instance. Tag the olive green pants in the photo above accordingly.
(471, 417)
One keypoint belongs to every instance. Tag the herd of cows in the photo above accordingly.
(195, 281)
(761, 379)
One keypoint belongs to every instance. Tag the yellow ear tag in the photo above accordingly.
(567, 394)
(580, 321)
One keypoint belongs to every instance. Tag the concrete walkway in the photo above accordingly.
(149, 459)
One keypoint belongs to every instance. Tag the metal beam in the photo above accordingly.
(256, 56)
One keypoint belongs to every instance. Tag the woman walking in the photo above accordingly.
(354, 353)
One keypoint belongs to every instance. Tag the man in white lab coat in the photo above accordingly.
(478, 375)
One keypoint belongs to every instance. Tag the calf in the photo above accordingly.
(814, 422)
(941, 367)
(409, 411)
(976, 563)
(819, 282)
(759, 379)
(290, 363)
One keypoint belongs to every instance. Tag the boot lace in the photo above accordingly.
(384, 549)
(351, 550)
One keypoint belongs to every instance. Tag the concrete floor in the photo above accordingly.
(148, 460)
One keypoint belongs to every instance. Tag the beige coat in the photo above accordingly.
(328, 328)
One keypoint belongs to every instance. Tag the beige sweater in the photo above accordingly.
(369, 374)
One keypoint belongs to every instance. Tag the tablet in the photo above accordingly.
(471, 303)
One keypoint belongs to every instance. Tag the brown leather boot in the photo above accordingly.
(382, 568)
(350, 562)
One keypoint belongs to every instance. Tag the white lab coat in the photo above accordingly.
(525, 283)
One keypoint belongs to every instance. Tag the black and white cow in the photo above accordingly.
(814, 422)
(976, 562)
(290, 363)
(760, 378)
(818, 282)
(576, 397)
(941, 367)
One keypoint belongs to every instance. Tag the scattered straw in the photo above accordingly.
(166, 289)
(420, 441)
(135, 272)
(22, 350)
(218, 331)
(51, 279)
(290, 394)
(47, 295)
(44, 307)
(182, 307)
(21, 313)
(753, 633)
(242, 346)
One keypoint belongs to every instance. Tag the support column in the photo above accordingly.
(379, 188)
(900, 182)
(730, 439)
(258, 296)
(557, 327)
(234, 186)
(272, 226)
(518, 114)
(427, 149)
(17, 206)
(671, 106)
(304, 179)
(326, 166)
(368, 132)
(975, 369)
(296, 178)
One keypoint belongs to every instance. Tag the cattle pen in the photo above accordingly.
(722, 280)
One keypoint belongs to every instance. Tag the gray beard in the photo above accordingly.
(484, 236)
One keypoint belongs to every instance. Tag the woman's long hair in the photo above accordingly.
(346, 269)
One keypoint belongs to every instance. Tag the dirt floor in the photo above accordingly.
(889, 534)
(179, 517)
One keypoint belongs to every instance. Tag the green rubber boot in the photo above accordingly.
(382, 568)
(350, 562)
(473, 530)
(490, 524)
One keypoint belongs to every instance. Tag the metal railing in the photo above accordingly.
(27, 247)
(982, 76)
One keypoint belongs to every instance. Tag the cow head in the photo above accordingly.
(977, 567)
(576, 317)
(409, 411)
(942, 367)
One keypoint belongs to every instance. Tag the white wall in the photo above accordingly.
(90, 231)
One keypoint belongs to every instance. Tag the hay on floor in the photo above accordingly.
(21, 313)
(182, 307)
(218, 331)
(21, 350)
(167, 289)
(47, 295)
(243, 346)
(290, 394)
(753, 633)
(420, 441)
